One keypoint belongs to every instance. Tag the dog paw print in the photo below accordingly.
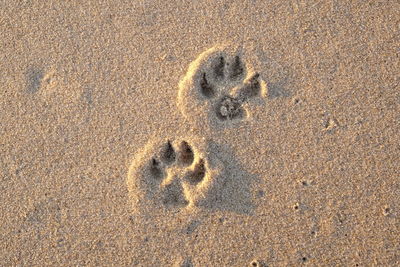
(218, 88)
(172, 174)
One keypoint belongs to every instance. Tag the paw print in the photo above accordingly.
(218, 88)
(188, 174)
(173, 175)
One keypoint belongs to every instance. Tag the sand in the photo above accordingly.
(199, 133)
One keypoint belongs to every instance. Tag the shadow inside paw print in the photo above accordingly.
(186, 155)
(219, 86)
(198, 173)
(172, 195)
(160, 176)
(229, 105)
(174, 175)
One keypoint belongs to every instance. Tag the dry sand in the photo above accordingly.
(200, 133)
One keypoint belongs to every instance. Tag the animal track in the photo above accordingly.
(218, 88)
(174, 174)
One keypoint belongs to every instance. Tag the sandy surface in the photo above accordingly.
(116, 151)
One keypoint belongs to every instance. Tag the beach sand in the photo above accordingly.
(200, 133)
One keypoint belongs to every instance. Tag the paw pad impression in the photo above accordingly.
(218, 88)
(173, 174)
